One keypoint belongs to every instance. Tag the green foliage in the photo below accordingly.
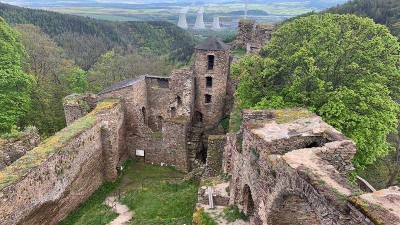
(201, 217)
(225, 124)
(232, 213)
(15, 85)
(115, 66)
(384, 12)
(342, 67)
(235, 121)
(77, 34)
(77, 80)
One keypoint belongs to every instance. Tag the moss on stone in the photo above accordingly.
(181, 120)
(51, 145)
(290, 115)
(216, 137)
(366, 209)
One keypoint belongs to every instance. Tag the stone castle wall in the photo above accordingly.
(284, 170)
(214, 111)
(149, 103)
(53, 179)
(253, 35)
(13, 149)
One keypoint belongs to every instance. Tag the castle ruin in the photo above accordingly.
(285, 166)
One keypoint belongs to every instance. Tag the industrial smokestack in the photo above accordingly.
(182, 18)
(216, 24)
(199, 20)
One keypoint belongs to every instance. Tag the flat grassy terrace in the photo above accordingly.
(155, 195)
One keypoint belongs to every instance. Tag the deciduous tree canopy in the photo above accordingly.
(343, 67)
(15, 85)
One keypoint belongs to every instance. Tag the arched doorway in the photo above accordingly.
(290, 210)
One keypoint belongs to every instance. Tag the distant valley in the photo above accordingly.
(228, 10)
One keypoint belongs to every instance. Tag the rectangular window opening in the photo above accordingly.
(208, 98)
(209, 81)
(210, 62)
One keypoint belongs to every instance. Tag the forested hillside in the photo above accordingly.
(67, 54)
(93, 37)
(386, 12)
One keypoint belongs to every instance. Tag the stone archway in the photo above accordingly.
(291, 209)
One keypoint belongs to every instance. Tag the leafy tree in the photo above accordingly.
(15, 85)
(77, 80)
(115, 66)
(343, 67)
(56, 78)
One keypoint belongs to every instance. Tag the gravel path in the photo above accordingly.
(124, 214)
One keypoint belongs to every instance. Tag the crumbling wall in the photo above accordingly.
(253, 35)
(216, 144)
(77, 106)
(158, 98)
(278, 179)
(182, 93)
(50, 181)
(245, 33)
(14, 148)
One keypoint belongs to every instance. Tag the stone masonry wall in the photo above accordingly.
(298, 184)
(46, 193)
(212, 112)
(216, 144)
(256, 35)
(13, 149)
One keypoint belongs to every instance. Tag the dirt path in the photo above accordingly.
(124, 214)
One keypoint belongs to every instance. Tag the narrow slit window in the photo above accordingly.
(208, 98)
(211, 62)
(209, 81)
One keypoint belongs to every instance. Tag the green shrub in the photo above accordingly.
(232, 213)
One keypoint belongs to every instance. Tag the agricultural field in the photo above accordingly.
(229, 11)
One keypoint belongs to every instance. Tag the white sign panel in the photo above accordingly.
(140, 153)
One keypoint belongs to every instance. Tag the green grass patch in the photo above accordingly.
(93, 211)
(51, 145)
(157, 195)
(225, 124)
(232, 213)
(203, 218)
(156, 135)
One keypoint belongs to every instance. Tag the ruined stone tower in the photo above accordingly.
(211, 70)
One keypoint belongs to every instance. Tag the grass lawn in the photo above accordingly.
(156, 195)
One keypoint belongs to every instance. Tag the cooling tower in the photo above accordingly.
(216, 25)
(182, 18)
(199, 20)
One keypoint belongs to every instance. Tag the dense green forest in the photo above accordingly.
(64, 54)
(386, 12)
(85, 39)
